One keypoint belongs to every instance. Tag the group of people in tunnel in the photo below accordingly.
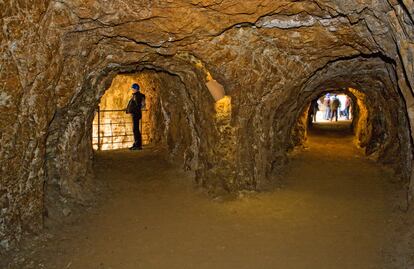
(332, 108)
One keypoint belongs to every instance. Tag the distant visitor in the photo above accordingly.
(335, 104)
(327, 105)
(135, 106)
(347, 107)
(313, 110)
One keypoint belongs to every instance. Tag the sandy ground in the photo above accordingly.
(332, 211)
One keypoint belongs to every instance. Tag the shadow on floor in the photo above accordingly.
(331, 129)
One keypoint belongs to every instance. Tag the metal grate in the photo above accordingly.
(112, 138)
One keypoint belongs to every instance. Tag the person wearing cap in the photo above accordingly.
(134, 108)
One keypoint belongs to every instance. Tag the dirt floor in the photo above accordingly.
(333, 210)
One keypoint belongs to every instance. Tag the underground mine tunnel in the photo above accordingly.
(164, 107)
(234, 173)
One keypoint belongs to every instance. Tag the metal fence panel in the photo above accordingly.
(112, 129)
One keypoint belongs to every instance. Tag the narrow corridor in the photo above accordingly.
(331, 212)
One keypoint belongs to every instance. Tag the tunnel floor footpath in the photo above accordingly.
(332, 211)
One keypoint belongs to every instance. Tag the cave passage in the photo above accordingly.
(329, 213)
(238, 169)
(331, 107)
(331, 114)
(112, 127)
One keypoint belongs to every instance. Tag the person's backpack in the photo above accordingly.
(135, 106)
(132, 106)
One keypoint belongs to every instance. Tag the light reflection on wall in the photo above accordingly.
(223, 109)
(363, 129)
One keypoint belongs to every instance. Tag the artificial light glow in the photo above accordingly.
(216, 89)
(223, 108)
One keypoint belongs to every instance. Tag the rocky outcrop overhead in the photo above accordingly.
(272, 57)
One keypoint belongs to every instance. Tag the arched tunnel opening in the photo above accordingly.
(275, 134)
(354, 113)
(332, 106)
(112, 126)
(166, 123)
(162, 121)
(335, 111)
(377, 119)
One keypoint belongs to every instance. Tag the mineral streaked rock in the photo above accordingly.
(287, 22)
(58, 58)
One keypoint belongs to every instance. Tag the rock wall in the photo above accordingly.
(59, 57)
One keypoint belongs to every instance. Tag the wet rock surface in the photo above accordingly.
(272, 57)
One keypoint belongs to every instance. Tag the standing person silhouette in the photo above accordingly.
(327, 106)
(315, 109)
(134, 108)
(347, 106)
(334, 108)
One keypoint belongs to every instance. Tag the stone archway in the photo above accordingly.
(163, 110)
(305, 121)
(381, 125)
(273, 126)
(179, 108)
